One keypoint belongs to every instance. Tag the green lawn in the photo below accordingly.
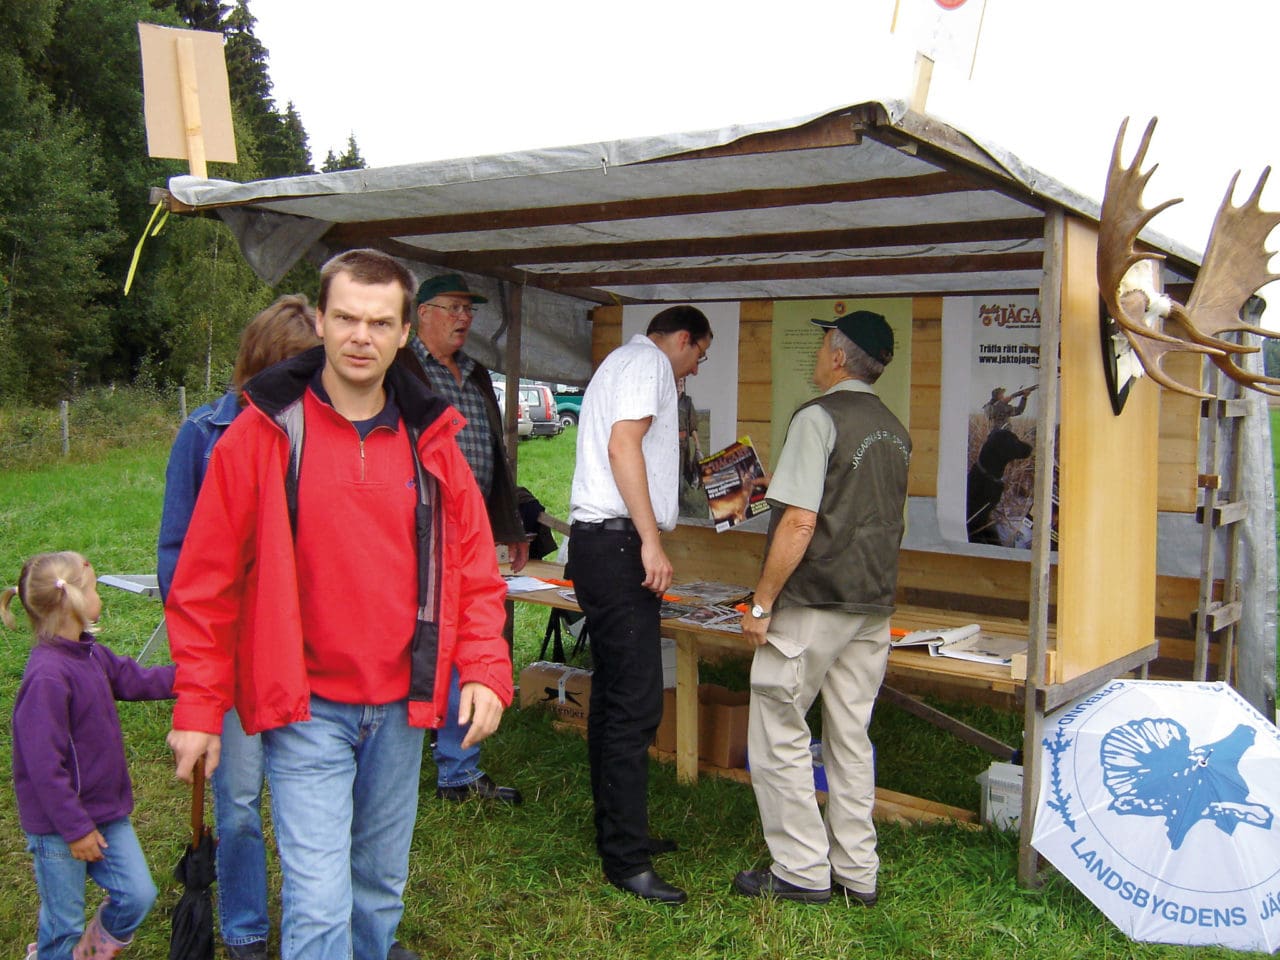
(525, 882)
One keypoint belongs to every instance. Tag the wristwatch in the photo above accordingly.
(758, 612)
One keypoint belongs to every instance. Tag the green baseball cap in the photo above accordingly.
(449, 285)
(868, 330)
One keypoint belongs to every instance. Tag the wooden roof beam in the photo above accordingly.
(932, 184)
(887, 267)
(851, 239)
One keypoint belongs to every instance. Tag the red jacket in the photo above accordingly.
(233, 610)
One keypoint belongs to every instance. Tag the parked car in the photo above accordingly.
(568, 404)
(542, 407)
(524, 425)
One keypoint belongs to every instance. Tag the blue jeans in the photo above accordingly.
(455, 767)
(241, 855)
(344, 799)
(122, 872)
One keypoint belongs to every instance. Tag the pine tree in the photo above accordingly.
(350, 159)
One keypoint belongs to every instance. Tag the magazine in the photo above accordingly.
(734, 481)
(937, 637)
(964, 643)
(711, 592)
(711, 615)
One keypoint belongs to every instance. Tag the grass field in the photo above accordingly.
(525, 882)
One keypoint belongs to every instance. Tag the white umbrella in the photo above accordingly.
(1158, 800)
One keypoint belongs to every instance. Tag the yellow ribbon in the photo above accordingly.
(137, 251)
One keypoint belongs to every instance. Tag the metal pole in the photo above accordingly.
(64, 418)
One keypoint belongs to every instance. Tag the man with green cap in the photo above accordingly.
(820, 621)
(446, 308)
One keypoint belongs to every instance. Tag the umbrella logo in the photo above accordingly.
(1152, 770)
(1157, 801)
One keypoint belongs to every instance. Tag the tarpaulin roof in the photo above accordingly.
(868, 200)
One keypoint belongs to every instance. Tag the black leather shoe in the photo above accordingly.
(766, 883)
(855, 897)
(482, 789)
(656, 845)
(650, 886)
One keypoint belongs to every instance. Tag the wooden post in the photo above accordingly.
(923, 76)
(191, 121)
(64, 419)
(1041, 535)
(182, 404)
(514, 305)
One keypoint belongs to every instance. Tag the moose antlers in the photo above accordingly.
(1235, 266)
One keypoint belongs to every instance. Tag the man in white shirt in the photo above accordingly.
(625, 491)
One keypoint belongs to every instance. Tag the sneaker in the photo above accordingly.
(481, 789)
(766, 883)
(31, 951)
(399, 951)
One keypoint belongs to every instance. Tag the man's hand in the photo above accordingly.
(756, 631)
(89, 847)
(657, 568)
(480, 707)
(190, 745)
(518, 555)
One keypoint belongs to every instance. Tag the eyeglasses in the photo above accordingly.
(456, 309)
(702, 353)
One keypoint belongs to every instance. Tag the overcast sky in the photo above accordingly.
(416, 80)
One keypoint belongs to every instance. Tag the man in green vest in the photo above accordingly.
(820, 621)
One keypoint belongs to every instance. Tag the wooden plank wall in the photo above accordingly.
(1107, 487)
(979, 585)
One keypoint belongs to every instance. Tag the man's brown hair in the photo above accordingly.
(368, 266)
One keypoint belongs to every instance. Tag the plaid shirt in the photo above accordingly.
(475, 440)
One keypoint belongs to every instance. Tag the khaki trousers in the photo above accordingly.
(842, 656)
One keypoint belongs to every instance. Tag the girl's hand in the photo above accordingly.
(89, 847)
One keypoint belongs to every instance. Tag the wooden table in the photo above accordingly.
(694, 642)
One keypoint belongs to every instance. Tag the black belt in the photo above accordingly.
(613, 525)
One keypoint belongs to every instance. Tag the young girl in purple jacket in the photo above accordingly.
(69, 770)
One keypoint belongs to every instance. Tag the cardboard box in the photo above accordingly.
(1001, 804)
(722, 726)
(665, 739)
(562, 689)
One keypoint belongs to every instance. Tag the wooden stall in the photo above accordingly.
(870, 201)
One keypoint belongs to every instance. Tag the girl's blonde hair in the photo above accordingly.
(51, 586)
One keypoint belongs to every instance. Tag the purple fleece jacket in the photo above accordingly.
(69, 769)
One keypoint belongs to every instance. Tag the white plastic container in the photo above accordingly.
(1001, 795)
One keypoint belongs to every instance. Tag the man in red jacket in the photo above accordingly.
(338, 565)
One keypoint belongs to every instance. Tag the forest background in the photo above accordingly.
(75, 183)
(74, 200)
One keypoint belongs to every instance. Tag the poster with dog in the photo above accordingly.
(986, 455)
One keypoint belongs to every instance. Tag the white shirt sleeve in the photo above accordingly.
(802, 466)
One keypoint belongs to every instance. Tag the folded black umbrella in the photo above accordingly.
(191, 936)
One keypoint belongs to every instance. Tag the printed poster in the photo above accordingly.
(987, 432)
(795, 345)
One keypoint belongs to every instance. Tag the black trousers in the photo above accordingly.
(626, 691)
